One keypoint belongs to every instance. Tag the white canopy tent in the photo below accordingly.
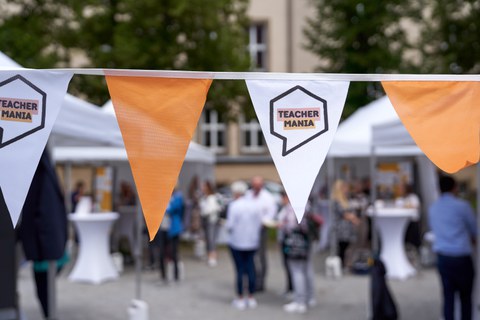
(394, 136)
(84, 134)
(353, 138)
(353, 144)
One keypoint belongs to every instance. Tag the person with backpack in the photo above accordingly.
(296, 246)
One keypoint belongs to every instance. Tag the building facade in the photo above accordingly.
(276, 43)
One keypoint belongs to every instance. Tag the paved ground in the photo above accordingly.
(206, 293)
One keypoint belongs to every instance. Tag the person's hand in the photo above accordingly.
(352, 218)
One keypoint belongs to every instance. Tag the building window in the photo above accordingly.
(213, 131)
(252, 140)
(257, 46)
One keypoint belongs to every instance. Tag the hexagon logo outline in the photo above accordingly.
(285, 152)
(44, 110)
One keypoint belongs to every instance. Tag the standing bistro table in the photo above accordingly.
(391, 224)
(94, 263)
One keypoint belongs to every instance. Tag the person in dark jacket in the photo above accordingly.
(383, 304)
(43, 229)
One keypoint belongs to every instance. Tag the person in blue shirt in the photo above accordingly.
(169, 233)
(453, 224)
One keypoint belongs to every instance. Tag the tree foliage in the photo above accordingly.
(29, 32)
(133, 34)
(451, 37)
(351, 36)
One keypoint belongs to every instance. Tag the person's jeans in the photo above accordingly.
(457, 275)
(288, 273)
(170, 246)
(244, 265)
(261, 261)
(211, 233)
(303, 280)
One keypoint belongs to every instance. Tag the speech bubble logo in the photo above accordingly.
(297, 116)
(22, 109)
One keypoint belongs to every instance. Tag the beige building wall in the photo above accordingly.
(285, 21)
(228, 173)
(303, 60)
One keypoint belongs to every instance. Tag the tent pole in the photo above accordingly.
(138, 251)
(67, 181)
(331, 215)
(476, 311)
(373, 197)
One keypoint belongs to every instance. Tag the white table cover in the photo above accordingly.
(392, 224)
(94, 263)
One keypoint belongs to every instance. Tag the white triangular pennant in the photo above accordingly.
(299, 120)
(29, 104)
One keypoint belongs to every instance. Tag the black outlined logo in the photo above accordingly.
(297, 116)
(20, 116)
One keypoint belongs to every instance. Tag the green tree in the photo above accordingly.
(207, 35)
(451, 38)
(29, 32)
(351, 36)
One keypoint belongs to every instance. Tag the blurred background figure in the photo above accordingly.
(43, 228)
(123, 236)
(297, 243)
(345, 219)
(452, 221)
(192, 209)
(77, 193)
(244, 223)
(127, 196)
(408, 199)
(265, 203)
(168, 237)
(210, 209)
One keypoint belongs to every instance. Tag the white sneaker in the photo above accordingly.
(252, 303)
(312, 303)
(212, 262)
(295, 307)
(239, 304)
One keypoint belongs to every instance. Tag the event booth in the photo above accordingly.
(378, 124)
(375, 132)
(85, 135)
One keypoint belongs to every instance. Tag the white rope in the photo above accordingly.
(265, 75)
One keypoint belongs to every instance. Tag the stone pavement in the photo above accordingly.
(206, 293)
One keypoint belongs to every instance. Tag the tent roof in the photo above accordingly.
(354, 135)
(392, 133)
(79, 122)
(90, 154)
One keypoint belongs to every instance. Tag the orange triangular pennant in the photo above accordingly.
(443, 117)
(157, 118)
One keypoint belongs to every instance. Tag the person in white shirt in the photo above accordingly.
(243, 225)
(210, 209)
(265, 203)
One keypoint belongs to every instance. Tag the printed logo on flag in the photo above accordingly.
(20, 116)
(297, 116)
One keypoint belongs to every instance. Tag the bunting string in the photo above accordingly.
(222, 75)
(157, 112)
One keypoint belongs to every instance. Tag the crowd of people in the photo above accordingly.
(252, 211)
(247, 218)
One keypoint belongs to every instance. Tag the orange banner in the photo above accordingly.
(157, 118)
(442, 117)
